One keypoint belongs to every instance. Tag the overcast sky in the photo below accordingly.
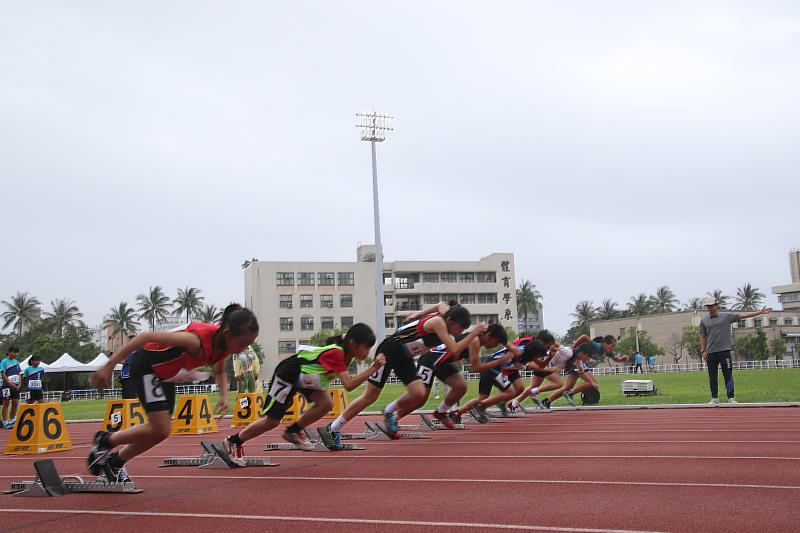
(613, 147)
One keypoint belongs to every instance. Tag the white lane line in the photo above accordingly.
(471, 525)
(483, 481)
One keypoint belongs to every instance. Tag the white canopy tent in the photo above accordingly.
(66, 363)
(99, 362)
(24, 364)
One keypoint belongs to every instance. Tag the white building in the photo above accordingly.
(294, 300)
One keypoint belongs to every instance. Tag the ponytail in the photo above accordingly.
(238, 320)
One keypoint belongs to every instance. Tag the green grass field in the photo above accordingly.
(685, 387)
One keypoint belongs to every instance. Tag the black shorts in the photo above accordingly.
(427, 369)
(491, 379)
(7, 393)
(128, 391)
(155, 395)
(35, 395)
(282, 387)
(399, 359)
(541, 373)
(514, 376)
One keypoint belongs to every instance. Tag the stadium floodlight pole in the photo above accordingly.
(374, 127)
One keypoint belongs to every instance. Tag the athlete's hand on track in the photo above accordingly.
(222, 407)
(379, 361)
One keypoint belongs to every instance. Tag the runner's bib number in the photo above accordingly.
(6, 393)
(35, 384)
(502, 380)
(14, 379)
(425, 374)
(153, 392)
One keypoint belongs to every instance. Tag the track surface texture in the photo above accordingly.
(645, 470)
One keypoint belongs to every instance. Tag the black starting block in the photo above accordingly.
(49, 483)
(435, 425)
(214, 456)
(381, 433)
(500, 413)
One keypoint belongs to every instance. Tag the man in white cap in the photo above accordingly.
(715, 345)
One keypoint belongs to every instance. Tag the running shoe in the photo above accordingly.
(503, 408)
(444, 420)
(513, 406)
(300, 440)
(391, 424)
(235, 451)
(98, 455)
(9, 425)
(713, 401)
(537, 401)
(570, 398)
(116, 475)
(546, 404)
(455, 417)
(330, 438)
(732, 400)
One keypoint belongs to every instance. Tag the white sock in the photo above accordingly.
(391, 408)
(338, 424)
(443, 408)
(534, 391)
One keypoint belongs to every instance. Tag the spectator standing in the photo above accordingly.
(716, 345)
(651, 363)
(33, 379)
(637, 360)
(10, 376)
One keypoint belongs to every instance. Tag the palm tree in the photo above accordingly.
(188, 301)
(153, 307)
(64, 315)
(694, 304)
(247, 262)
(721, 297)
(122, 321)
(748, 298)
(22, 311)
(528, 300)
(664, 300)
(209, 314)
(584, 313)
(607, 310)
(639, 305)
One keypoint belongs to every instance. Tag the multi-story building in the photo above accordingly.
(789, 295)
(534, 322)
(294, 300)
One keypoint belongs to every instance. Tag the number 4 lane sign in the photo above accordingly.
(193, 416)
(40, 428)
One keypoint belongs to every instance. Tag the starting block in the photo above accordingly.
(499, 413)
(319, 445)
(381, 433)
(435, 425)
(49, 483)
(214, 456)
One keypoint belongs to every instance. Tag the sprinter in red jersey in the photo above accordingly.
(158, 361)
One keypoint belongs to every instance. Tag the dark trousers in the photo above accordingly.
(638, 368)
(721, 359)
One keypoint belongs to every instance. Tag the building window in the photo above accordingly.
(305, 342)
(285, 278)
(430, 277)
(388, 300)
(773, 321)
(285, 301)
(430, 299)
(487, 298)
(305, 279)
(787, 321)
(387, 278)
(742, 324)
(347, 322)
(286, 346)
(489, 319)
(306, 300)
(389, 322)
(464, 299)
(307, 323)
(326, 322)
(758, 322)
(287, 323)
(346, 278)
(326, 301)
(403, 283)
(326, 278)
(466, 277)
(449, 277)
(346, 300)
(622, 332)
(447, 298)
(486, 277)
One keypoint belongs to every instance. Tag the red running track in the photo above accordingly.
(662, 470)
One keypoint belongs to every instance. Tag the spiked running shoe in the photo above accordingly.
(570, 398)
(455, 417)
(116, 475)
(235, 452)
(537, 401)
(391, 424)
(300, 440)
(98, 455)
(444, 420)
(331, 439)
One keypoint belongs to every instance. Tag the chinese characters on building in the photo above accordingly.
(505, 266)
